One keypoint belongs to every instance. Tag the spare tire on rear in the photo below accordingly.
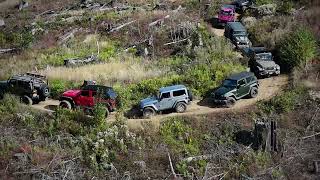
(44, 92)
(190, 95)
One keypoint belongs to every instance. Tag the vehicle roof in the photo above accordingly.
(240, 75)
(259, 49)
(27, 78)
(236, 26)
(96, 87)
(227, 6)
(171, 88)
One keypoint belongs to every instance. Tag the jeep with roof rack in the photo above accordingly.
(32, 88)
(175, 97)
(261, 61)
(236, 87)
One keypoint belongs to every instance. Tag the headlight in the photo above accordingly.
(260, 68)
(277, 67)
(238, 42)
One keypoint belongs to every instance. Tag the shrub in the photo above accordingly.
(262, 2)
(57, 87)
(285, 102)
(297, 49)
(180, 137)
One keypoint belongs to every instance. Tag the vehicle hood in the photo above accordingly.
(242, 39)
(148, 101)
(223, 90)
(71, 93)
(266, 64)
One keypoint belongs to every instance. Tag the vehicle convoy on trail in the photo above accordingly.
(31, 88)
(175, 97)
(235, 87)
(226, 14)
(261, 62)
(88, 97)
(237, 34)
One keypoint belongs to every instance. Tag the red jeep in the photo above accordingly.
(87, 97)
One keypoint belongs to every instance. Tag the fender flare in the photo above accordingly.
(151, 106)
(183, 101)
(68, 99)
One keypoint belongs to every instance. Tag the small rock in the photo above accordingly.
(21, 157)
(2, 23)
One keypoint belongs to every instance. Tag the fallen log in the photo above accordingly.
(120, 27)
(67, 36)
(78, 62)
(3, 51)
(159, 21)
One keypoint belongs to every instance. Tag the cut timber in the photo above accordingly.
(159, 21)
(121, 26)
(3, 51)
(175, 42)
(67, 36)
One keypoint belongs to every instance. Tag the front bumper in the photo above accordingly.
(269, 72)
(220, 101)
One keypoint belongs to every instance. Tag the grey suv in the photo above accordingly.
(172, 97)
(236, 87)
(237, 34)
(261, 61)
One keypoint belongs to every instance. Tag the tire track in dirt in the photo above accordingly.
(269, 88)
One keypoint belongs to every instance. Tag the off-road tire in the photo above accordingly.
(181, 107)
(230, 102)
(253, 92)
(65, 104)
(26, 100)
(148, 112)
(44, 92)
(1, 94)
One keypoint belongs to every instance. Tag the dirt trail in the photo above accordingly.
(269, 87)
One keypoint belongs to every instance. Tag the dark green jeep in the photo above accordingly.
(236, 87)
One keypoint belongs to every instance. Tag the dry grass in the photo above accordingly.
(107, 73)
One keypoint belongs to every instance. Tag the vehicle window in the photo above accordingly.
(179, 93)
(85, 93)
(249, 79)
(264, 56)
(165, 95)
(242, 82)
(226, 13)
(229, 83)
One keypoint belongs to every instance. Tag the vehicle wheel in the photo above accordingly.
(65, 104)
(181, 107)
(1, 95)
(231, 102)
(27, 100)
(254, 92)
(44, 92)
(148, 112)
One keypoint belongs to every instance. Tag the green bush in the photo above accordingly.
(297, 49)
(285, 7)
(285, 102)
(180, 137)
(57, 87)
(262, 2)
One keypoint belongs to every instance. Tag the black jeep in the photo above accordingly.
(32, 88)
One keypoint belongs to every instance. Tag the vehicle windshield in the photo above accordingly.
(225, 13)
(229, 83)
(240, 33)
(264, 56)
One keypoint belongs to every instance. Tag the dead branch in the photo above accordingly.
(306, 137)
(3, 51)
(67, 36)
(171, 166)
(159, 21)
(175, 42)
(121, 26)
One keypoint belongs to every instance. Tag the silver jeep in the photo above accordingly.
(175, 97)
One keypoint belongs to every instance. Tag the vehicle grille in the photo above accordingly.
(270, 68)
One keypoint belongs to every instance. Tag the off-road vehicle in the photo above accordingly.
(235, 87)
(32, 88)
(175, 97)
(237, 34)
(261, 61)
(226, 14)
(242, 5)
(88, 96)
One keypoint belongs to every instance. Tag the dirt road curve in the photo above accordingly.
(269, 87)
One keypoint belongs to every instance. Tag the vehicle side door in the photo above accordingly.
(166, 101)
(242, 88)
(85, 99)
(180, 95)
